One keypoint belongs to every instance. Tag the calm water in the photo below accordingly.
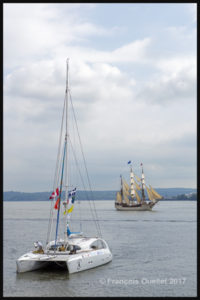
(154, 253)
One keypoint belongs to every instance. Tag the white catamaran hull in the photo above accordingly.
(30, 262)
(84, 259)
(74, 263)
(88, 260)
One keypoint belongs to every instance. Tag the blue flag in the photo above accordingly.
(129, 162)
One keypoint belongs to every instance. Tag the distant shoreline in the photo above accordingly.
(169, 194)
(94, 200)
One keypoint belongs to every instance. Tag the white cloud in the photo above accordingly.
(133, 52)
(39, 30)
(121, 115)
(182, 33)
(174, 81)
(192, 10)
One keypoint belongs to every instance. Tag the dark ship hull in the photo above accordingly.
(135, 207)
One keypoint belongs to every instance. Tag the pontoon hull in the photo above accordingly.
(74, 263)
(29, 262)
(88, 260)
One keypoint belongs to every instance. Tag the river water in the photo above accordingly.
(154, 253)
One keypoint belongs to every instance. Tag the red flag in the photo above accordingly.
(54, 194)
(56, 204)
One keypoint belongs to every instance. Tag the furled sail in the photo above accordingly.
(126, 186)
(132, 184)
(137, 186)
(138, 179)
(150, 194)
(137, 197)
(126, 199)
(125, 192)
(156, 195)
(143, 184)
(119, 197)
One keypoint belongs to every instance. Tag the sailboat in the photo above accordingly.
(74, 251)
(132, 197)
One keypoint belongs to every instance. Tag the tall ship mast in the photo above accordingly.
(133, 197)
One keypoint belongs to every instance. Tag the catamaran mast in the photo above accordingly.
(66, 145)
(64, 164)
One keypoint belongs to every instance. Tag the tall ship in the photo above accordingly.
(133, 196)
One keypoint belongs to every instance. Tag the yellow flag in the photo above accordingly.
(70, 209)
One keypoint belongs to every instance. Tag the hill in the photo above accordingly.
(167, 193)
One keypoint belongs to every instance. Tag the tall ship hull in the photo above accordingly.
(132, 197)
(140, 207)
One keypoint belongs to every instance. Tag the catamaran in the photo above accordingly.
(133, 197)
(74, 250)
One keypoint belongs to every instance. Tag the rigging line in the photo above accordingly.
(85, 164)
(57, 171)
(94, 208)
(84, 160)
(93, 216)
(73, 142)
(59, 156)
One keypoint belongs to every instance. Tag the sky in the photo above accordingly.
(133, 83)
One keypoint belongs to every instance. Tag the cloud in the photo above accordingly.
(192, 10)
(32, 30)
(133, 52)
(174, 81)
(130, 103)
